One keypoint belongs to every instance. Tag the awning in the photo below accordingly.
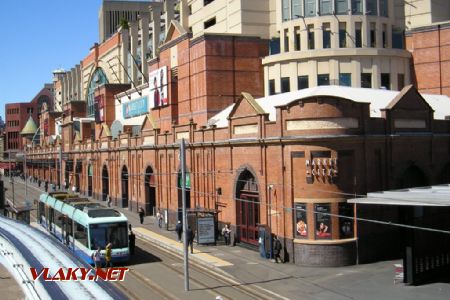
(438, 195)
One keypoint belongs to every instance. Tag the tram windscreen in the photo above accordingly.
(114, 233)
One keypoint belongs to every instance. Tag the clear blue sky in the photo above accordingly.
(39, 36)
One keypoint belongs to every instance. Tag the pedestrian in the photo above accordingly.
(108, 252)
(39, 183)
(108, 200)
(97, 258)
(132, 241)
(179, 230)
(74, 189)
(141, 214)
(46, 186)
(277, 249)
(159, 218)
(226, 232)
(190, 235)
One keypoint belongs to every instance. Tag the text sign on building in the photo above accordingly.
(135, 107)
(158, 87)
(205, 229)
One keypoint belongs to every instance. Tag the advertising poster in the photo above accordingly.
(158, 87)
(301, 230)
(99, 108)
(205, 228)
(323, 221)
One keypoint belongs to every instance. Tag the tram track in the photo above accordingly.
(225, 282)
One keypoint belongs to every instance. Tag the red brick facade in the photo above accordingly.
(430, 47)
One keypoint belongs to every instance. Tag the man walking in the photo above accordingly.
(277, 249)
(141, 214)
(190, 235)
(179, 230)
(159, 218)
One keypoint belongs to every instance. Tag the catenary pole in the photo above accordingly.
(183, 197)
(26, 176)
(60, 168)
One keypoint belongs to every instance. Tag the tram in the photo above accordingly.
(83, 226)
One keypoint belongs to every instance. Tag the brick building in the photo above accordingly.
(17, 115)
(286, 162)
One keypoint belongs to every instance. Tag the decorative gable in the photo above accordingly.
(174, 32)
(246, 106)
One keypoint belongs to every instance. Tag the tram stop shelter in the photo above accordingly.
(19, 213)
(415, 222)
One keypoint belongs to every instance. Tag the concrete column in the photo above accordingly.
(379, 34)
(356, 73)
(74, 83)
(69, 85)
(63, 92)
(134, 46)
(79, 83)
(168, 13)
(155, 11)
(376, 73)
(351, 33)
(124, 34)
(143, 23)
(184, 14)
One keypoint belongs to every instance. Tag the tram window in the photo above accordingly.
(114, 233)
(58, 219)
(80, 234)
(41, 211)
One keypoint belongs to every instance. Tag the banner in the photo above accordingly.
(158, 87)
(135, 108)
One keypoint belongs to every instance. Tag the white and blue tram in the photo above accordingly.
(83, 225)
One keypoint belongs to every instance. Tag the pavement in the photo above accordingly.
(9, 288)
(286, 280)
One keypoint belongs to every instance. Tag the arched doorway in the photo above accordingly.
(247, 207)
(124, 186)
(89, 176)
(180, 196)
(413, 176)
(150, 192)
(105, 183)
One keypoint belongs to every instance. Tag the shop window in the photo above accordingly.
(323, 79)
(285, 85)
(303, 82)
(211, 22)
(386, 81)
(271, 87)
(322, 221)
(345, 79)
(366, 80)
(301, 226)
(346, 228)
(311, 37)
(342, 35)
(326, 37)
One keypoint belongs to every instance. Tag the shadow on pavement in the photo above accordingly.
(141, 257)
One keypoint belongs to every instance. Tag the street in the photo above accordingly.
(155, 272)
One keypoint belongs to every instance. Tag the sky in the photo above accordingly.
(39, 36)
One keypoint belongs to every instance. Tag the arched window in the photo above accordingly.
(97, 79)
